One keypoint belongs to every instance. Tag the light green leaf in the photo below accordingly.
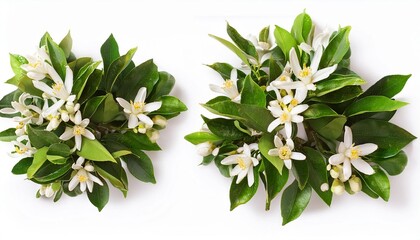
(264, 145)
(95, 151)
(264, 34)
(336, 82)
(252, 93)
(285, 41)
(200, 137)
(373, 104)
(233, 48)
(302, 26)
(66, 44)
(40, 157)
(336, 49)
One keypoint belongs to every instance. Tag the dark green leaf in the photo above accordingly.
(41, 138)
(301, 172)
(43, 41)
(275, 181)
(8, 135)
(392, 165)
(26, 85)
(373, 104)
(58, 58)
(225, 129)
(241, 193)
(336, 49)
(6, 101)
(388, 86)
(170, 105)
(50, 172)
(82, 78)
(341, 95)
(132, 141)
(294, 201)
(163, 87)
(22, 166)
(318, 110)
(140, 166)
(116, 67)
(40, 157)
(107, 111)
(335, 82)
(244, 44)
(91, 86)
(329, 127)
(100, 195)
(377, 182)
(252, 93)
(109, 52)
(114, 173)
(59, 149)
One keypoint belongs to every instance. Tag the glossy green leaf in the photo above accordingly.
(275, 181)
(389, 137)
(318, 110)
(373, 104)
(82, 78)
(92, 84)
(233, 48)
(66, 45)
(264, 145)
(26, 85)
(6, 101)
(95, 151)
(294, 201)
(51, 172)
(55, 159)
(140, 166)
(302, 26)
(392, 165)
(41, 138)
(244, 44)
(285, 41)
(107, 111)
(59, 149)
(133, 141)
(241, 193)
(336, 49)
(22, 166)
(78, 64)
(8, 135)
(388, 86)
(200, 137)
(92, 105)
(336, 82)
(301, 172)
(170, 105)
(120, 153)
(40, 157)
(15, 62)
(329, 127)
(264, 34)
(252, 93)
(318, 174)
(58, 58)
(163, 86)
(114, 173)
(339, 96)
(109, 52)
(225, 129)
(378, 183)
(99, 196)
(116, 67)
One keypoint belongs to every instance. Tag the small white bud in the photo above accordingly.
(355, 184)
(204, 149)
(325, 187)
(160, 121)
(153, 135)
(337, 187)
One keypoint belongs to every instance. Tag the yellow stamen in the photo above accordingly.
(34, 65)
(285, 153)
(20, 150)
(228, 84)
(78, 130)
(294, 102)
(57, 87)
(354, 153)
(306, 71)
(82, 178)
(283, 78)
(241, 163)
(20, 125)
(285, 117)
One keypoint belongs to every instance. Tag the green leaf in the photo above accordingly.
(377, 182)
(140, 166)
(329, 127)
(275, 181)
(114, 173)
(41, 138)
(66, 45)
(120, 153)
(109, 52)
(285, 41)
(252, 93)
(82, 78)
(59, 149)
(255, 117)
(78, 64)
(274, 69)
(341, 95)
(233, 48)
(26, 85)
(43, 41)
(95, 151)
(58, 58)
(6, 102)
(144, 75)
(50, 172)
(116, 67)
(15, 62)
(55, 159)
(318, 174)
(170, 105)
(244, 44)
(301, 28)
(294, 201)
(389, 137)
(264, 34)
(225, 129)
(301, 172)
(241, 193)
(392, 165)
(224, 69)
(163, 87)
(223, 169)
(22, 166)
(318, 110)
(107, 111)
(40, 157)
(100, 195)
(336, 49)
(92, 105)
(91, 85)
(335, 82)
(200, 137)
(264, 145)
(388, 86)
(8, 135)
(132, 141)
(373, 104)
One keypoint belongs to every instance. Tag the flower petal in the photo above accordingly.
(95, 179)
(241, 176)
(43, 87)
(153, 106)
(336, 159)
(297, 156)
(288, 129)
(88, 134)
(229, 160)
(278, 142)
(216, 88)
(123, 103)
(250, 177)
(273, 152)
(300, 94)
(133, 121)
(73, 183)
(68, 133)
(323, 73)
(8, 111)
(68, 82)
(234, 75)
(348, 137)
(78, 141)
(288, 163)
(363, 166)
(299, 109)
(141, 95)
(346, 169)
(297, 118)
(235, 171)
(78, 118)
(83, 186)
(90, 185)
(315, 60)
(145, 119)
(367, 148)
(273, 125)
(294, 62)
(306, 48)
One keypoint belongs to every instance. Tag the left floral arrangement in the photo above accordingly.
(76, 124)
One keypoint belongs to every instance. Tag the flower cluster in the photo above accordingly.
(76, 123)
(294, 106)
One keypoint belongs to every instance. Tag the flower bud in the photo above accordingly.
(160, 121)
(204, 149)
(355, 184)
(65, 116)
(337, 187)
(70, 107)
(325, 187)
(153, 135)
(264, 45)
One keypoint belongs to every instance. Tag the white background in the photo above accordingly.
(191, 201)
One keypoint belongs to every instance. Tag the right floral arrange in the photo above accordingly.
(294, 109)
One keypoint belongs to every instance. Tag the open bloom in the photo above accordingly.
(349, 154)
(229, 87)
(22, 149)
(285, 115)
(320, 40)
(285, 77)
(37, 66)
(83, 176)
(60, 90)
(245, 164)
(285, 151)
(46, 190)
(137, 111)
(308, 75)
(30, 112)
(77, 131)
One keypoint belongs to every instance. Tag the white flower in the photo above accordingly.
(285, 115)
(29, 112)
(46, 190)
(229, 87)
(136, 112)
(285, 77)
(77, 131)
(69, 111)
(206, 148)
(261, 46)
(245, 164)
(83, 176)
(349, 155)
(37, 66)
(308, 75)
(320, 40)
(60, 90)
(285, 152)
(21, 149)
